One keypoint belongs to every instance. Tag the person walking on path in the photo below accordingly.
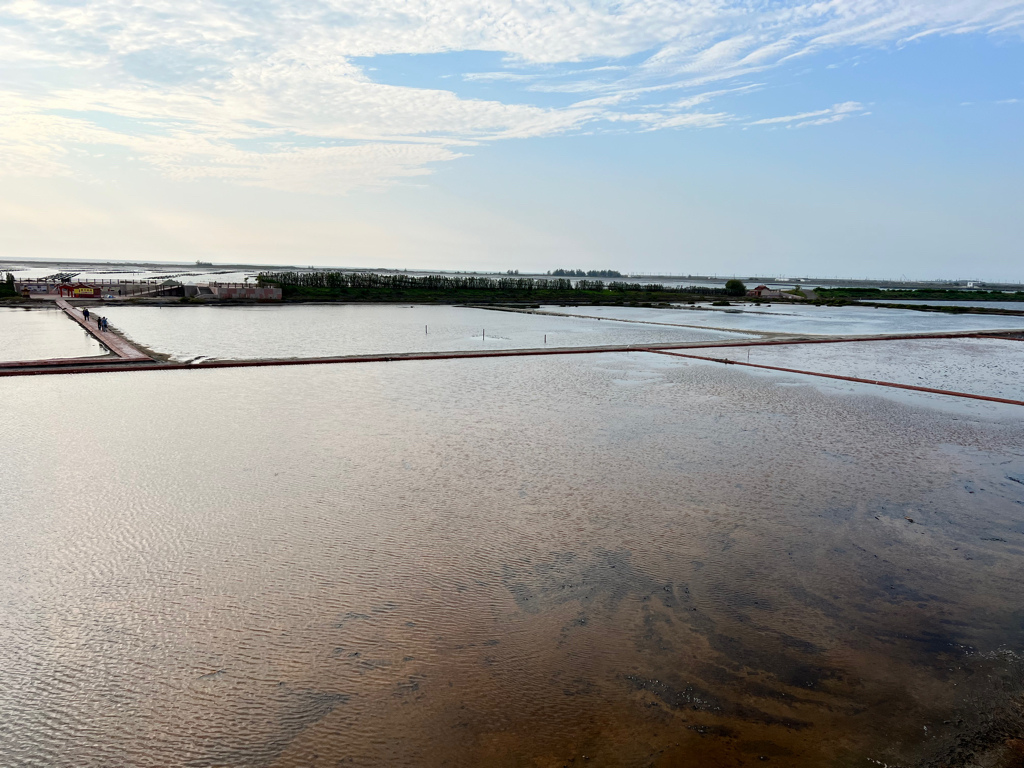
(85, 313)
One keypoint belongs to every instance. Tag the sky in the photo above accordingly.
(827, 138)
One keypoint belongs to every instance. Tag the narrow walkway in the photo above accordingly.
(143, 363)
(124, 349)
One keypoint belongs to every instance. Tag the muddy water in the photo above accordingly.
(619, 560)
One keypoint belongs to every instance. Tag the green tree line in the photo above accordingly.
(331, 281)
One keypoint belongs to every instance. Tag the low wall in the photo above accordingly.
(265, 293)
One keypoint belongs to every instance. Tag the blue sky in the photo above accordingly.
(837, 138)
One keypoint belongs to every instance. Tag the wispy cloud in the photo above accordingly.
(833, 114)
(267, 93)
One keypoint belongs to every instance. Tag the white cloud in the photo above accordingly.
(833, 114)
(269, 92)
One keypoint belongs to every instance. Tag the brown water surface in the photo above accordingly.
(615, 560)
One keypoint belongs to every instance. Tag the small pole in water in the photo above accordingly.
(424, 329)
(545, 338)
(748, 354)
(483, 335)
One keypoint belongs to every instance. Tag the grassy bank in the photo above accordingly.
(919, 294)
(945, 309)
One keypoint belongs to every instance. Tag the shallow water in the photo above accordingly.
(990, 367)
(613, 560)
(183, 272)
(40, 334)
(249, 332)
(803, 319)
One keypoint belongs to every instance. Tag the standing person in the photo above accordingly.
(85, 313)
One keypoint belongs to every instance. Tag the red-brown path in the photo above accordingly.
(130, 358)
(141, 362)
(124, 349)
(895, 385)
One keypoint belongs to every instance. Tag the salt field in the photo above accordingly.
(188, 333)
(39, 334)
(619, 559)
(503, 562)
(182, 272)
(512, 384)
(990, 367)
(803, 319)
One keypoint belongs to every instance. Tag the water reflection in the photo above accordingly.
(806, 318)
(248, 332)
(40, 334)
(988, 367)
(620, 560)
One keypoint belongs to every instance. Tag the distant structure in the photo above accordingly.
(77, 290)
(148, 289)
(764, 292)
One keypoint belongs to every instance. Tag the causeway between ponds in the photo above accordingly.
(130, 358)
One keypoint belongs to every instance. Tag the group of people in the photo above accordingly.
(101, 322)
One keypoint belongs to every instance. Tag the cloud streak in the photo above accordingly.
(833, 114)
(267, 92)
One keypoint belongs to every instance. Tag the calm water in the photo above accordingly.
(822, 320)
(622, 560)
(979, 366)
(182, 272)
(191, 332)
(40, 334)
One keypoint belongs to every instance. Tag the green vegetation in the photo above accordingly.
(7, 287)
(370, 286)
(918, 294)
(945, 308)
(581, 273)
(735, 288)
